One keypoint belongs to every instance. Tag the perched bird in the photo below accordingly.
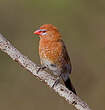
(53, 54)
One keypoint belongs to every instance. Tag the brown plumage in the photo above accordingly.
(53, 53)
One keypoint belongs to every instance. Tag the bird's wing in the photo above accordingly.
(65, 59)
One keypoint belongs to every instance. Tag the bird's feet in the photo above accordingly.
(40, 68)
(57, 81)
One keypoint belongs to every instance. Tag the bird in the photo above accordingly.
(53, 54)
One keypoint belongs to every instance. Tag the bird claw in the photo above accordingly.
(40, 68)
(56, 82)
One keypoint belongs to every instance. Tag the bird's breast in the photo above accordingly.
(50, 50)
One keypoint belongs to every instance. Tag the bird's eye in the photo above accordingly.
(44, 31)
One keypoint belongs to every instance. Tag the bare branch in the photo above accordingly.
(25, 62)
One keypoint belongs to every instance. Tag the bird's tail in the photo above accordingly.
(69, 85)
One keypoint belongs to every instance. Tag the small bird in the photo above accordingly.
(53, 54)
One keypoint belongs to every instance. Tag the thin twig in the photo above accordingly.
(25, 62)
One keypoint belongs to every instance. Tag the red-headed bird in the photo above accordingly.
(53, 54)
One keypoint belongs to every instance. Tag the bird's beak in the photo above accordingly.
(38, 32)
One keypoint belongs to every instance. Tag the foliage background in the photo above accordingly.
(82, 24)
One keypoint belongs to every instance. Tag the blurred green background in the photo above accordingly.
(82, 24)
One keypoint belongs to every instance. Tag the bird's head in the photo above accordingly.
(48, 31)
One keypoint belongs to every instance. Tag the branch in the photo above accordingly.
(25, 62)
